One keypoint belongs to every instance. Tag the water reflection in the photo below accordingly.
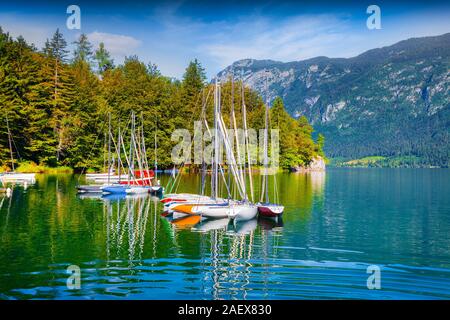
(317, 182)
(127, 220)
(227, 252)
(333, 227)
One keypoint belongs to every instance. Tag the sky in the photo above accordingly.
(172, 33)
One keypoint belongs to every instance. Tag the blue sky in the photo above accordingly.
(171, 33)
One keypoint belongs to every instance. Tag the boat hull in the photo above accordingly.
(114, 189)
(270, 210)
(90, 189)
(137, 190)
(245, 212)
(238, 212)
(13, 177)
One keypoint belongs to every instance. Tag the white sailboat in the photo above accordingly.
(232, 209)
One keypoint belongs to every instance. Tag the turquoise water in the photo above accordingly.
(335, 225)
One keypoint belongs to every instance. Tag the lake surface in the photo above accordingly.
(336, 224)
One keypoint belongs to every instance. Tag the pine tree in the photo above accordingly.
(62, 93)
(83, 49)
(193, 82)
(17, 74)
(104, 61)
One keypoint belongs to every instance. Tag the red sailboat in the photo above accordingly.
(266, 208)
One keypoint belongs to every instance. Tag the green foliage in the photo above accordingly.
(104, 61)
(297, 147)
(57, 111)
(83, 50)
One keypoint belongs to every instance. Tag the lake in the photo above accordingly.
(340, 229)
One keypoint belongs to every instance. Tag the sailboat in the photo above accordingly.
(157, 188)
(265, 207)
(14, 176)
(102, 179)
(219, 209)
(139, 181)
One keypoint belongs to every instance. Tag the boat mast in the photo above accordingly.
(144, 153)
(246, 142)
(231, 125)
(10, 144)
(109, 148)
(131, 163)
(266, 143)
(203, 118)
(241, 172)
(214, 175)
(156, 150)
(119, 161)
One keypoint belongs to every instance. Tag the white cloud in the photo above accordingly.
(258, 37)
(219, 43)
(118, 45)
(293, 39)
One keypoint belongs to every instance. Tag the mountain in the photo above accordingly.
(391, 101)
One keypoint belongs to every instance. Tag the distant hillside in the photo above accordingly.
(391, 101)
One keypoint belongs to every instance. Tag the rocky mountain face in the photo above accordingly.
(391, 101)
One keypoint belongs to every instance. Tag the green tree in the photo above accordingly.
(62, 91)
(83, 49)
(104, 61)
(320, 144)
(192, 84)
(17, 73)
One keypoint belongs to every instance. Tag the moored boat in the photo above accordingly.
(244, 212)
(18, 177)
(137, 189)
(115, 189)
(270, 210)
(91, 188)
